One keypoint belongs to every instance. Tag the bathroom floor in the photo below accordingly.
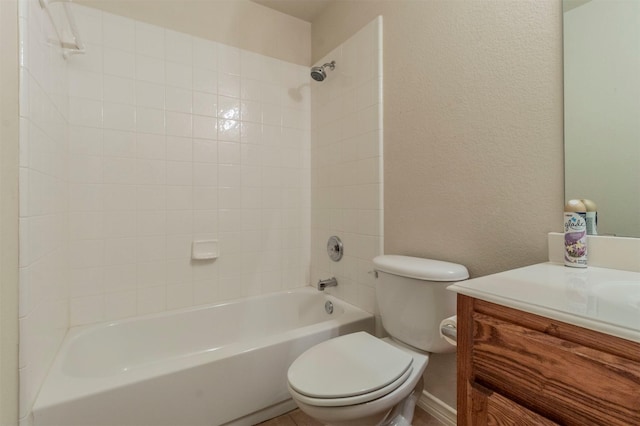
(298, 418)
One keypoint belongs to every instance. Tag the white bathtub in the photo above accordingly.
(212, 365)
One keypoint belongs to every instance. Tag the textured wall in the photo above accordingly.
(238, 23)
(473, 126)
(9, 134)
(473, 169)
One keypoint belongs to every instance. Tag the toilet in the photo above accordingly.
(361, 380)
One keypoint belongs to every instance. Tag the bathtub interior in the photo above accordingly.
(119, 347)
(188, 355)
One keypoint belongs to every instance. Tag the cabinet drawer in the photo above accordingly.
(490, 408)
(564, 381)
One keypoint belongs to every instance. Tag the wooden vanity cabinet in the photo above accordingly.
(517, 368)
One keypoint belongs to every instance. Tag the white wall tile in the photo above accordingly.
(151, 172)
(119, 223)
(178, 124)
(178, 47)
(346, 142)
(205, 104)
(180, 197)
(179, 296)
(149, 120)
(229, 85)
(205, 80)
(151, 274)
(205, 174)
(87, 310)
(152, 223)
(179, 100)
(228, 59)
(178, 75)
(119, 305)
(228, 108)
(150, 70)
(150, 300)
(120, 197)
(91, 60)
(119, 90)
(119, 63)
(229, 175)
(89, 23)
(162, 151)
(150, 95)
(179, 173)
(229, 130)
(119, 251)
(205, 127)
(179, 222)
(119, 116)
(205, 151)
(118, 32)
(151, 197)
(179, 148)
(119, 170)
(85, 112)
(229, 153)
(85, 84)
(206, 198)
(150, 146)
(149, 40)
(205, 54)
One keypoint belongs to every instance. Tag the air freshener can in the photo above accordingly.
(575, 239)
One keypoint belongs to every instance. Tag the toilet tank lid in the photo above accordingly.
(421, 269)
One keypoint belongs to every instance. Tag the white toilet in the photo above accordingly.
(358, 379)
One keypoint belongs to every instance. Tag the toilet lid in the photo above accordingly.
(347, 366)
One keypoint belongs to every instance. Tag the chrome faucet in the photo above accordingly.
(331, 282)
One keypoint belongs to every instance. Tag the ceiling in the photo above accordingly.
(306, 10)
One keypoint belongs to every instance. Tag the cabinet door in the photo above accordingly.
(562, 379)
(492, 409)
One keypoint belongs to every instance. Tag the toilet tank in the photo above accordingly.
(413, 299)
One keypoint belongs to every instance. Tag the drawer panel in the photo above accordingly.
(492, 409)
(563, 380)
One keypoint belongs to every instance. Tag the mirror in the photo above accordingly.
(602, 110)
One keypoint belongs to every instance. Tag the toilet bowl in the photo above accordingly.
(361, 380)
(355, 379)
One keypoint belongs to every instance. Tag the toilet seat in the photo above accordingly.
(348, 370)
(352, 400)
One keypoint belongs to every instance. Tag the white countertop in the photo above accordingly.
(601, 299)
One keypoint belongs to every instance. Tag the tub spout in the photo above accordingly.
(331, 282)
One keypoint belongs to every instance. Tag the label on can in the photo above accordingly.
(575, 239)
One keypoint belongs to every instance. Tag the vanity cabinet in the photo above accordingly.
(517, 368)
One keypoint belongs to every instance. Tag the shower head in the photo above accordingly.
(319, 74)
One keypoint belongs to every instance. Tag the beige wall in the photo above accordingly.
(472, 125)
(8, 213)
(238, 23)
(473, 169)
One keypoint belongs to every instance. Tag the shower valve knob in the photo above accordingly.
(335, 248)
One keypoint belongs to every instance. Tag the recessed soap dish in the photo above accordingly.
(205, 250)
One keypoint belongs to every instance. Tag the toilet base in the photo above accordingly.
(402, 414)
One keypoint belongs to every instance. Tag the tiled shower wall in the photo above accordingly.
(150, 140)
(173, 139)
(346, 170)
(44, 198)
